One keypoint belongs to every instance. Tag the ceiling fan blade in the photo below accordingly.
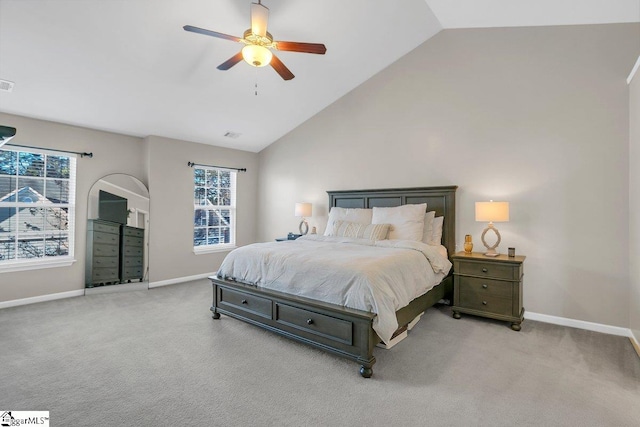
(230, 62)
(317, 48)
(281, 69)
(259, 19)
(193, 29)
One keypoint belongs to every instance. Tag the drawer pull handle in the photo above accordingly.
(244, 301)
(309, 321)
(484, 270)
(484, 303)
(484, 286)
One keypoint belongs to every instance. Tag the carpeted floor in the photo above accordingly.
(156, 357)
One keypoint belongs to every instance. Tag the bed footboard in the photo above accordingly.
(339, 330)
(343, 331)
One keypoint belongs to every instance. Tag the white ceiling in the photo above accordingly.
(127, 66)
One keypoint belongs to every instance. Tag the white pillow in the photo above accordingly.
(428, 226)
(360, 231)
(436, 236)
(361, 216)
(407, 221)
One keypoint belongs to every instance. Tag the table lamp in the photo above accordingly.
(303, 210)
(492, 212)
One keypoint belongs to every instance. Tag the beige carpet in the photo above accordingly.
(157, 358)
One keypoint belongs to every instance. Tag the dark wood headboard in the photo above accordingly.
(439, 199)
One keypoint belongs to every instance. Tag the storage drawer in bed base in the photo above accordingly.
(339, 330)
(336, 329)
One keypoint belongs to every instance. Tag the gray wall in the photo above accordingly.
(535, 116)
(159, 163)
(112, 153)
(171, 188)
(634, 205)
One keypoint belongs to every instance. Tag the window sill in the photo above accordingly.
(23, 265)
(199, 250)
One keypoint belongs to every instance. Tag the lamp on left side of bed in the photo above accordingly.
(303, 210)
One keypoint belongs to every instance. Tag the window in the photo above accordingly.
(37, 209)
(214, 220)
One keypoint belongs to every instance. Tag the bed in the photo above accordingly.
(342, 330)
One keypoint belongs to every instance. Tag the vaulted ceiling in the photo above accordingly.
(127, 66)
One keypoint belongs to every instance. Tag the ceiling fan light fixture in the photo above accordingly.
(256, 56)
(258, 44)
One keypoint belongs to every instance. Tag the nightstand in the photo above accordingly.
(488, 286)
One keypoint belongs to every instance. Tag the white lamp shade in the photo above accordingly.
(492, 211)
(303, 209)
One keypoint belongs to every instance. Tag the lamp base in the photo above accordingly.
(491, 250)
(304, 227)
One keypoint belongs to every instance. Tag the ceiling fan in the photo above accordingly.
(259, 42)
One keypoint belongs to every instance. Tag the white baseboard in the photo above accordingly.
(80, 292)
(580, 324)
(41, 298)
(180, 280)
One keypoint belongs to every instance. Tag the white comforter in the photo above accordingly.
(380, 277)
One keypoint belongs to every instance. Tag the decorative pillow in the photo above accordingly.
(360, 231)
(428, 226)
(361, 216)
(407, 221)
(436, 236)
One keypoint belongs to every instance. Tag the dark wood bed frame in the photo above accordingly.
(339, 330)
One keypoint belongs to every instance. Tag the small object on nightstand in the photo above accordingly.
(468, 244)
(488, 287)
(313, 230)
(290, 236)
(512, 252)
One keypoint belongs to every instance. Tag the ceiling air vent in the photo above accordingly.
(234, 135)
(6, 85)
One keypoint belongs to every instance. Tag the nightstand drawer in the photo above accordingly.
(488, 269)
(471, 286)
(486, 303)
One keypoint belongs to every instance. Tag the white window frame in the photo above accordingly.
(217, 247)
(12, 265)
